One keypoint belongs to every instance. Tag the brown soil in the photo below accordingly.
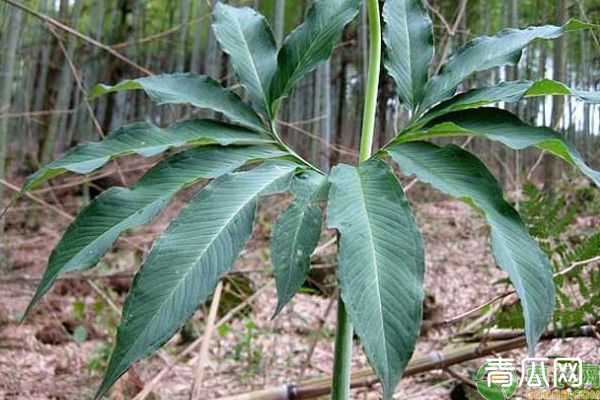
(40, 359)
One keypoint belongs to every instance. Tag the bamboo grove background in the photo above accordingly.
(46, 74)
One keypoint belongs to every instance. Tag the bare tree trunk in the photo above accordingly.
(513, 74)
(487, 78)
(307, 112)
(585, 74)
(559, 64)
(43, 68)
(341, 110)
(542, 60)
(29, 74)
(118, 105)
(98, 67)
(502, 152)
(184, 16)
(198, 25)
(558, 103)
(325, 126)
(211, 58)
(11, 40)
(363, 38)
(317, 102)
(57, 120)
(279, 20)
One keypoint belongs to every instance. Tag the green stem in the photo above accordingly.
(342, 366)
(343, 339)
(368, 125)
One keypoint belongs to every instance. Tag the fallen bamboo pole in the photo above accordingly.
(436, 360)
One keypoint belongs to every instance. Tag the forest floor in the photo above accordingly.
(60, 351)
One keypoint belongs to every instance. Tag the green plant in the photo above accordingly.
(247, 351)
(550, 218)
(381, 255)
(98, 360)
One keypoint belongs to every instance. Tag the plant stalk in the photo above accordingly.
(343, 340)
(342, 361)
(368, 124)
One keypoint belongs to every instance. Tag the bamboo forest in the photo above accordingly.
(299, 199)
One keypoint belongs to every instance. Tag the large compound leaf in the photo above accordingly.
(460, 174)
(380, 264)
(144, 139)
(196, 90)
(188, 259)
(100, 223)
(487, 52)
(245, 35)
(508, 92)
(296, 235)
(502, 126)
(408, 37)
(310, 44)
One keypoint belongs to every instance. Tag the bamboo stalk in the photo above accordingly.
(78, 34)
(6, 82)
(6, 89)
(279, 21)
(436, 360)
(184, 14)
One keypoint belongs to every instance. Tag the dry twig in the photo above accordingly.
(77, 34)
(468, 313)
(153, 383)
(432, 361)
(196, 393)
(84, 92)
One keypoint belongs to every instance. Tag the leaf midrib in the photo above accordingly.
(254, 68)
(490, 208)
(375, 264)
(303, 212)
(197, 260)
(411, 84)
(302, 61)
(409, 49)
(119, 225)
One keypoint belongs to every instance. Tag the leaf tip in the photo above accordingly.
(23, 317)
(31, 182)
(97, 91)
(107, 382)
(29, 308)
(388, 392)
(278, 309)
